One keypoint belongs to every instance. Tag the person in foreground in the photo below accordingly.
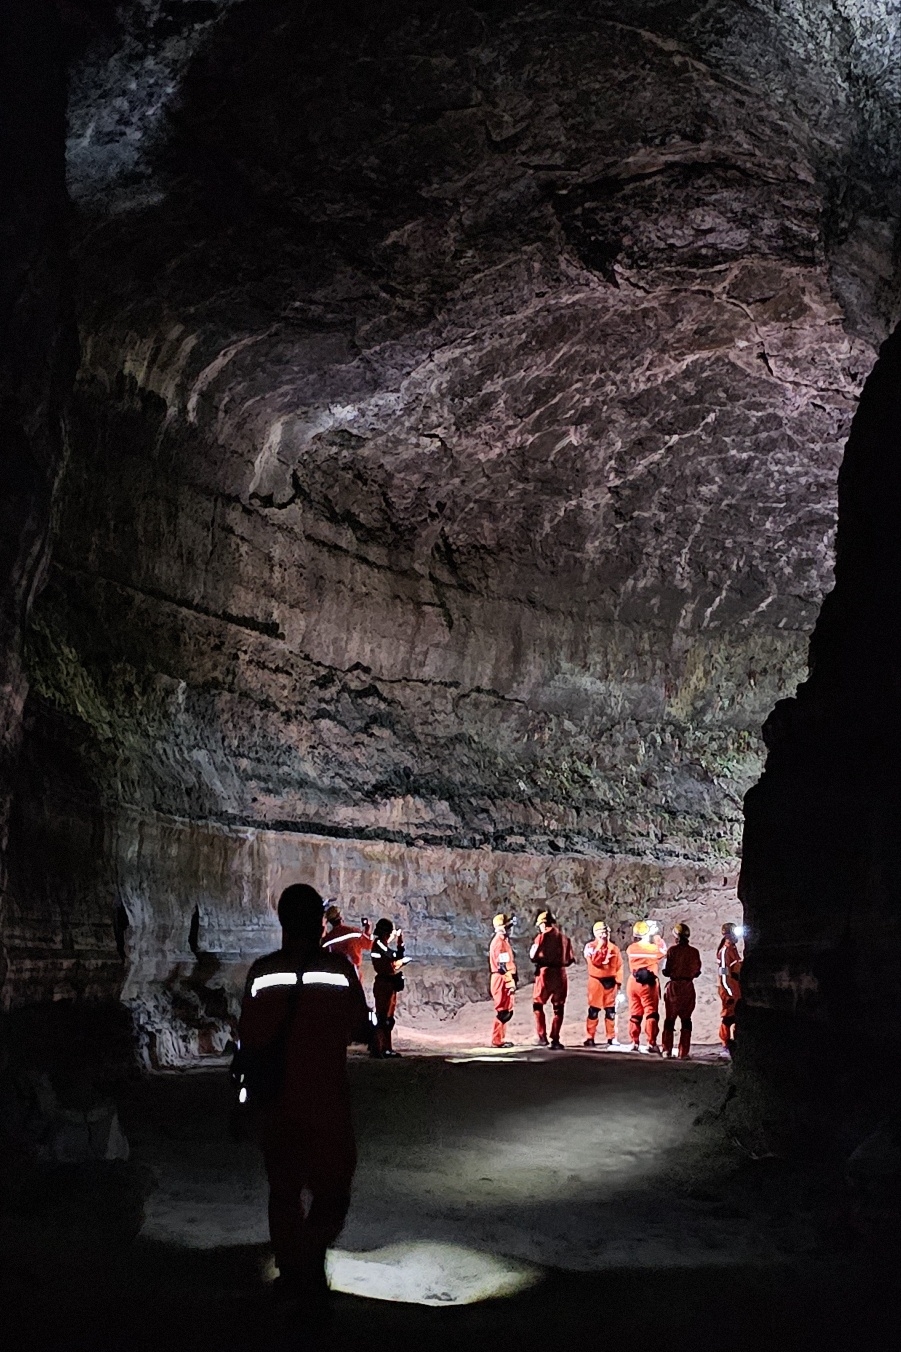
(301, 1008)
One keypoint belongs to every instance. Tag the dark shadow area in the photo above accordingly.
(809, 1274)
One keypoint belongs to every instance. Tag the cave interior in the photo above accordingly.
(450, 456)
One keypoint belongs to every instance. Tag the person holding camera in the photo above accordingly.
(351, 941)
(387, 956)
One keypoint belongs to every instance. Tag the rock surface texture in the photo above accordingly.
(452, 487)
(37, 348)
(822, 850)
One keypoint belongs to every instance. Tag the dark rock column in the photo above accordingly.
(819, 1025)
(38, 353)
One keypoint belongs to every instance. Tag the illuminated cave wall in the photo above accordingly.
(453, 472)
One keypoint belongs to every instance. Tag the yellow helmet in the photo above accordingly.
(332, 914)
(681, 931)
(641, 929)
(545, 918)
(600, 927)
(501, 920)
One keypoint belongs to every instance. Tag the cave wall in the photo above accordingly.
(38, 354)
(822, 848)
(194, 915)
(452, 484)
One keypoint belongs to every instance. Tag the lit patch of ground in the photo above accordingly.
(429, 1274)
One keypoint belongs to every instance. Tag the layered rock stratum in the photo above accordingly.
(452, 481)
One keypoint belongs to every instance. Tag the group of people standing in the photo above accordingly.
(552, 954)
(385, 948)
(646, 959)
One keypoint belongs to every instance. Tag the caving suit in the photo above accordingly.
(605, 977)
(388, 981)
(305, 1006)
(350, 942)
(502, 966)
(551, 953)
(728, 961)
(682, 966)
(644, 957)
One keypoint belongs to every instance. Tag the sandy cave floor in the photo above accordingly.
(605, 1177)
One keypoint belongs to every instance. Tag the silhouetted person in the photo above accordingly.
(682, 965)
(387, 954)
(301, 1008)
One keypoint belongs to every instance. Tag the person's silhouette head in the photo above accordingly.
(300, 913)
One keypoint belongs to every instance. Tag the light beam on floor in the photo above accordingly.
(427, 1273)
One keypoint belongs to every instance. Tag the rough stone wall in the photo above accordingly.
(456, 440)
(821, 844)
(195, 915)
(37, 347)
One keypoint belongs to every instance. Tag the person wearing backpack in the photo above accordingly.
(552, 953)
(301, 1008)
(644, 956)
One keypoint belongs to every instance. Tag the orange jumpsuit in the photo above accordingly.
(551, 953)
(728, 961)
(682, 966)
(387, 983)
(350, 943)
(605, 977)
(644, 999)
(313, 1002)
(502, 966)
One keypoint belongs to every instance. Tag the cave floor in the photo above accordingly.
(604, 1182)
